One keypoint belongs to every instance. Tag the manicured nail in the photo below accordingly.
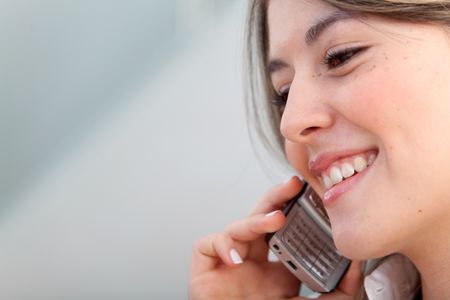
(290, 178)
(235, 257)
(271, 213)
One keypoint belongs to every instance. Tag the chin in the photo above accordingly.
(358, 245)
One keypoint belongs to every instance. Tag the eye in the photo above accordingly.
(281, 99)
(334, 59)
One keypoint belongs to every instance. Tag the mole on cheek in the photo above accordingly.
(372, 68)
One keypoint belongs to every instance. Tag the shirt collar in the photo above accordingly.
(394, 278)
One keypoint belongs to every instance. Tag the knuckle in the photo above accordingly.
(198, 244)
(201, 242)
(254, 227)
(229, 227)
(236, 226)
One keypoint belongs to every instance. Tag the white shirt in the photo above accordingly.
(396, 278)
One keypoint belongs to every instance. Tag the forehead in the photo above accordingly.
(289, 20)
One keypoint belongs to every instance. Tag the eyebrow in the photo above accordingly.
(313, 34)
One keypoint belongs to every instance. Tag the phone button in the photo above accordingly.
(327, 260)
(307, 262)
(292, 240)
(331, 253)
(328, 269)
(302, 223)
(305, 255)
(314, 249)
(319, 273)
(300, 231)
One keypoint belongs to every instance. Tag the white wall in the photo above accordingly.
(116, 217)
(65, 63)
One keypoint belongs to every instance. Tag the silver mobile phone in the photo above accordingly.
(305, 245)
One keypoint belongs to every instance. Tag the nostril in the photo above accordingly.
(309, 130)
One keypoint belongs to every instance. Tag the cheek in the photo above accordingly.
(395, 112)
(407, 109)
(298, 158)
(407, 118)
(369, 99)
(410, 121)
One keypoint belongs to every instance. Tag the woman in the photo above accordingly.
(366, 79)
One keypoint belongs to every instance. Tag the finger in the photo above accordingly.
(349, 286)
(352, 280)
(210, 251)
(253, 227)
(337, 295)
(278, 195)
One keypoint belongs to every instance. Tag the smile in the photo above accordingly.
(346, 168)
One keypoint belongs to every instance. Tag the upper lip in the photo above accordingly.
(321, 161)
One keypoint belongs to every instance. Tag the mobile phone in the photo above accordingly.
(305, 245)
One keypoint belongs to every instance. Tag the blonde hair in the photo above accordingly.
(264, 117)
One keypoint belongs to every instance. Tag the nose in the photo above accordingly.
(307, 113)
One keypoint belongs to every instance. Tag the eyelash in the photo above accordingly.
(281, 99)
(330, 61)
(345, 54)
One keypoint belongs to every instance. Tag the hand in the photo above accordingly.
(233, 264)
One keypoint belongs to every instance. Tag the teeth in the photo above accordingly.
(336, 175)
(347, 170)
(359, 163)
(327, 181)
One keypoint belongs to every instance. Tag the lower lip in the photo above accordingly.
(332, 195)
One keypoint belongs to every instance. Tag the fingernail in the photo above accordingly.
(292, 177)
(286, 181)
(271, 213)
(235, 257)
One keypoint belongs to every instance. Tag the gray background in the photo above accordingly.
(123, 139)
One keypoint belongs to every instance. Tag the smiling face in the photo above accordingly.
(367, 120)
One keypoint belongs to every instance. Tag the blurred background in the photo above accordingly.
(123, 140)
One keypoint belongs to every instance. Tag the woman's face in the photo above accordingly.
(365, 91)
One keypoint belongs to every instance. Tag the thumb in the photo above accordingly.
(352, 280)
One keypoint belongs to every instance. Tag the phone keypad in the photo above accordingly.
(292, 239)
(326, 258)
(331, 252)
(319, 258)
(326, 268)
(320, 274)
